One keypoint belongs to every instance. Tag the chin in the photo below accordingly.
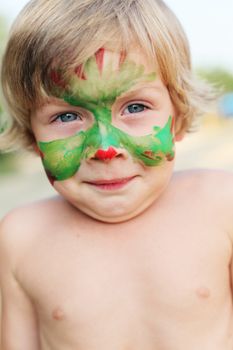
(116, 212)
(110, 217)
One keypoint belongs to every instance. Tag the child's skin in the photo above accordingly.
(159, 281)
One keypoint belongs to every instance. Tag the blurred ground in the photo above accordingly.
(210, 147)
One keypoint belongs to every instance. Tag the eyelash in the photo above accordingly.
(79, 117)
(135, 104)
(65, 114)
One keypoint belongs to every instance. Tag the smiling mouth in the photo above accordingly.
(113, 184)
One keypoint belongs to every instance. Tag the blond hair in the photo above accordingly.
(69, 32)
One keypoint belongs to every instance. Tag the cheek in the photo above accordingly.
(156, 148)
(142, 124)
(159, 177)
(62, 158)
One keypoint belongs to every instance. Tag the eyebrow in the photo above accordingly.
(51, 102)
(138, 90)
(56, 103)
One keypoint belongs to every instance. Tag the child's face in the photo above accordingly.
(107, 143)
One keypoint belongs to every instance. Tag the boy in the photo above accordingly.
(129, 256)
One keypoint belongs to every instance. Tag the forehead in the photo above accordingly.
(106, 57)
(103, 77)
(107, 75)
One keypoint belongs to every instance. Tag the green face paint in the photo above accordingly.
(96, 91)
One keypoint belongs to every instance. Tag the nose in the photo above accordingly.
(107, 154)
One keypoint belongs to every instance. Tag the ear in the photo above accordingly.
(178, 129)
(179, 136)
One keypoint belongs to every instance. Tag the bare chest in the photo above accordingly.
(95, 285)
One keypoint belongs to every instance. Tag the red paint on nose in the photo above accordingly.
(108, 154)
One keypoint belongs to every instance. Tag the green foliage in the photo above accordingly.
(219, 77)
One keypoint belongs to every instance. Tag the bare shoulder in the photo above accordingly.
(209, 190)
(21, 227)
(206, 182)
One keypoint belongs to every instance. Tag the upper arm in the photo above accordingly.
(226, 204)
(18, 319)
(220, 191)
(228, 188)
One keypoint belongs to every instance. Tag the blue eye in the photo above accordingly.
(68, 117)
(135, 108)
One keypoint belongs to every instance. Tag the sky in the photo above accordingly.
(208, 25)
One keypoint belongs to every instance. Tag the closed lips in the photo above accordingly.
(111, 181)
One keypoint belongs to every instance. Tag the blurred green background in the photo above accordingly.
(21, 174)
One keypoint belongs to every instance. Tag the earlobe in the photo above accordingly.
(179, 137)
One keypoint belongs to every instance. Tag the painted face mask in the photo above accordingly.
(96, 90)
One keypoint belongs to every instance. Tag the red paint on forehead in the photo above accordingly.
(80, 73)
(99, 56)
(57, 79)
(122, 57)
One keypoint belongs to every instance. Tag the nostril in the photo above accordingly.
(119, 155)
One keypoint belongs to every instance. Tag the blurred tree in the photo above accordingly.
(3, 34)
(7, 161)
(219, 77)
